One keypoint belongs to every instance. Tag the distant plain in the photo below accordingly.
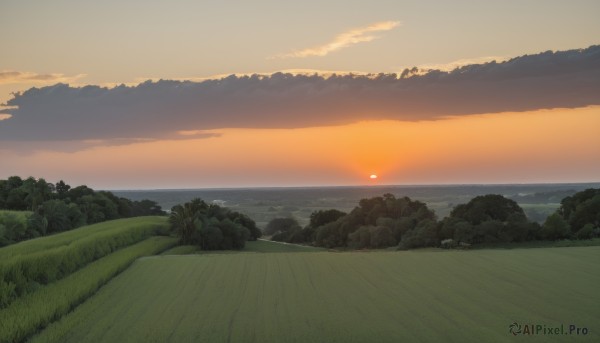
(263, 204)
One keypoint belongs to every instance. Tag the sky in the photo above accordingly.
(190, 94)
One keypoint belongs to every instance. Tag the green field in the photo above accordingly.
(429, 296)
(32, 311)
(262, 246)
(42, 279)
(85, 233)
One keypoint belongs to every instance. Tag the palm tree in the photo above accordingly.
(185, 218)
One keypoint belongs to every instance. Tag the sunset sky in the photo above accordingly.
(532, 119)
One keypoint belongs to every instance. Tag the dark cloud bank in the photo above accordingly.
(158, 109)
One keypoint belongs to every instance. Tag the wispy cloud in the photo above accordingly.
(12, 77)
(461, 63)
(343, 40)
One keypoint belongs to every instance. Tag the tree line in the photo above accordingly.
(387, 221)
(59, 207)
(211, 226)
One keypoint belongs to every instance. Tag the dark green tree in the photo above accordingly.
(281, 225)
(555, 228)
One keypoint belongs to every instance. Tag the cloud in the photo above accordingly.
(12, 77)
(343, 40)
(166, 109)
(461, 63)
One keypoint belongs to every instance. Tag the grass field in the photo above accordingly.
(407, 296)
(261, 246)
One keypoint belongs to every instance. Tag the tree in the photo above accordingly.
(211, 237)
(210, 226)
(183, 219)
(15, 199)
(463, 232)
(398, 215)
(12, 228)
(555, 228)
(361, 238)
(280, 225)
(382, 237)
(586, 232)
(424, 235)
(492, 218)
(55, 213)
(487, 207)
(582, 208)
(246, 222)
(62, 189)
(322, 217)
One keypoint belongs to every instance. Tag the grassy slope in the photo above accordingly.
(65, 238)
(24, 316)
(342, 297)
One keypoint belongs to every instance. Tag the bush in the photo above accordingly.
(382, 237)
(13, 227)
(586, 232)
(555, 228)
(281, 236)
(277, 225)
(361, 238)
(448, 244)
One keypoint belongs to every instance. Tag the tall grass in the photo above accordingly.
(33, 312)
(26, 266)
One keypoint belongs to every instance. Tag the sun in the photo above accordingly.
(373, 177)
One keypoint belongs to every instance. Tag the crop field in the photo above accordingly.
(88, 233)
(47, 303)
(407, 296)
(27, 265)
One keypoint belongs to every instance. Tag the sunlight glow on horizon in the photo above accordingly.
(540, 146)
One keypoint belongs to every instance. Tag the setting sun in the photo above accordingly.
(373, 177)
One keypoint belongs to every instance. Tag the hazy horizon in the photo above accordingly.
(361, 186)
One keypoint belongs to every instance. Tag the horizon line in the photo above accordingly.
(352, 186)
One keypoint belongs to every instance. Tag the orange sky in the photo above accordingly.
(541, 146)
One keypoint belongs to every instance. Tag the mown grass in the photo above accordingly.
(259, 246)
(564, 243)
(268, 247)
(410, 296)
(27, 265)
(32, 312)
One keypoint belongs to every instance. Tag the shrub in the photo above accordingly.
(277, 225)
(382, 237)
(555, 228)
(586, 232)
(448, 243)
(360, 238)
